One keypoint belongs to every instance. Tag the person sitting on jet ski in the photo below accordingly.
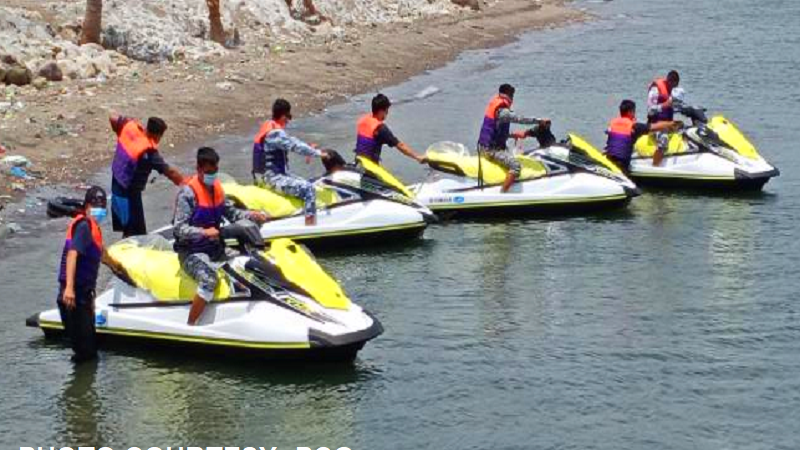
(661, 108)
(271, 159)
(624, 130)
(199, 210)
(496, 130)
(372, 134)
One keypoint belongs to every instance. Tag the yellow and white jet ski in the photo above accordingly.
(566, 178)
(355, 206)
(709, 154)
(269, 303)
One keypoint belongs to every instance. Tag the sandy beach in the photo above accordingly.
(63, 128)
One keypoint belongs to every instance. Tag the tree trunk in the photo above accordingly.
(92, 22)
(217, 33)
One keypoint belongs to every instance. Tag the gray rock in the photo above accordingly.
(39, 83)
(51, 72)
(474, 4)
(19, 75)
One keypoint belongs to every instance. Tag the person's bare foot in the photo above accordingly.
(311, 221)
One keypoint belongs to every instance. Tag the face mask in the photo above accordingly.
(99, 214)
(209, 179)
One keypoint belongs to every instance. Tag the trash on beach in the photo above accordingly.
(15, 161)
(18, 172)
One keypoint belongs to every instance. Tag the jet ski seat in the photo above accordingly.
(646, 145)
(275, 204)
(152, 265)
(467, 165)
(724, 129)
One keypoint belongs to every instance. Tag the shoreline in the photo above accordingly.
(193, 97)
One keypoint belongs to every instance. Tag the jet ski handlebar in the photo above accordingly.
(697, 114)
(245, 233)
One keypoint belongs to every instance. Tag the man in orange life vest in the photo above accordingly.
(199, 210)
(496, 130)
(271, 149)
(135, 157)
(623, 132)
(80, 262)
(660, 108)
(372, 133)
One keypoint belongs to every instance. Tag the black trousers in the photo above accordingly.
(79, 325)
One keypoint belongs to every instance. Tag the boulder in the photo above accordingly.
(68, 68)
(85, 68)
(94, 48)
(51, 72)
(104, 64)
(39, 83)
(19, 75)
(2, 74)
(474, 4)
(8, 59)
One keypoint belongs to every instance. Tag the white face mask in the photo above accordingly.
(99, 214)
(209, 178)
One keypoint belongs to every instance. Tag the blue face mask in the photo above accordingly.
(209, 179)
(99, 214)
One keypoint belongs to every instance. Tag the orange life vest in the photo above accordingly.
(366, 144)
(132, 143)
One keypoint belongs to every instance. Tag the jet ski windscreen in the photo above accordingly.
(447, 147)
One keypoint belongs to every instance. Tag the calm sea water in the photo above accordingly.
(673, 325)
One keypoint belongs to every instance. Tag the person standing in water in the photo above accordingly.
(372, 134)
(135, 157)
(496, 130)
(77, 276)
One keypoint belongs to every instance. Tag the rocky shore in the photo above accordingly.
(57, 122)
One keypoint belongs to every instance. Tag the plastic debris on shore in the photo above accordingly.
(12, 161)
(18, 172)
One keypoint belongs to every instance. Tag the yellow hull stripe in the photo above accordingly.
(188, 339)
(527, 203)
(351, 232)
(683, 175)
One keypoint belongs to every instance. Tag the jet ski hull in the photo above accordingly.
(321, 347)
(535, 209)
(558, 195)
(362, 237)
(701, 171)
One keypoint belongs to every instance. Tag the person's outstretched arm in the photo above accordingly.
(282, 140)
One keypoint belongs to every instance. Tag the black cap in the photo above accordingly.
(95, 196)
